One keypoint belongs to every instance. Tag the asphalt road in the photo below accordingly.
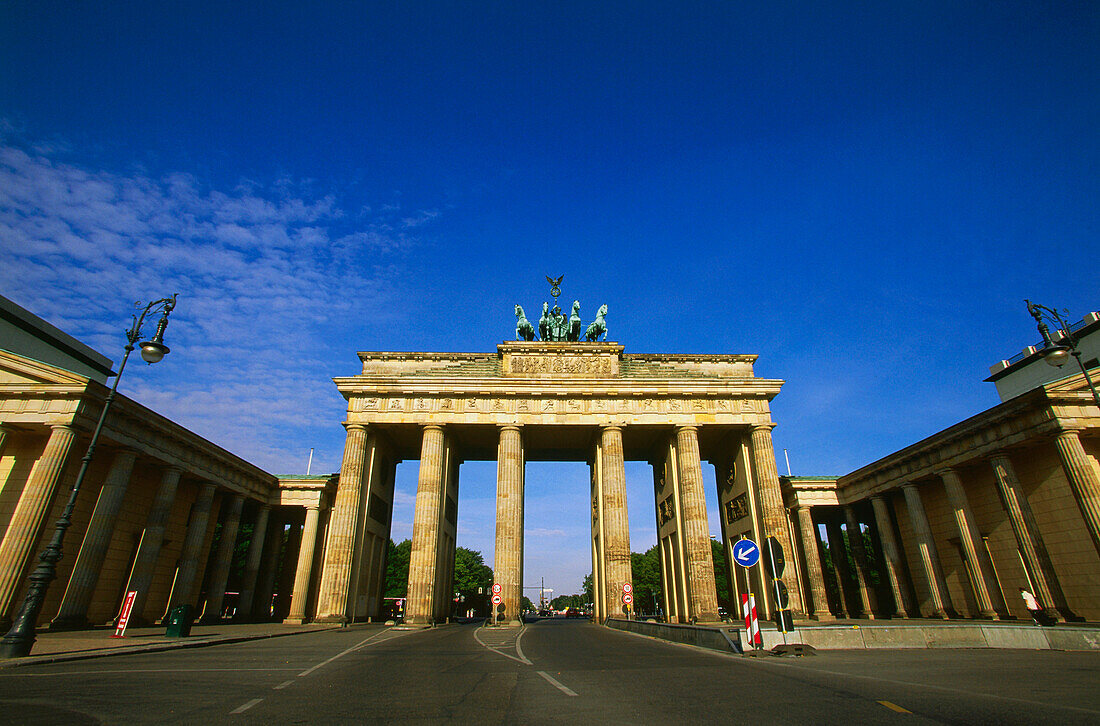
(552, 671)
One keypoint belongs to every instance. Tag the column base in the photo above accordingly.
(73, 622)
(822, 616)
(342, 619)
(295, 621)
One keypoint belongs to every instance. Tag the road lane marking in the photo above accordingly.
(147, 670)
(244, 707)
(283, 685)
(555, 683)
(519, 650)
(894, 707)
(521, 659)
(361, 644)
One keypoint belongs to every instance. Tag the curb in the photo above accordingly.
(149, 648)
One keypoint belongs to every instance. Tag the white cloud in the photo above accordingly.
(273, 286)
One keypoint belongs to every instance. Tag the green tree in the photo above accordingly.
(721, 575)
(646, 577)
(397, 569)
(471, 572)
(587, 589)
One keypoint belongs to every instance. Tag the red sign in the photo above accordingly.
(123, 619)
(496, 587)
(496, 599)
(627, 598)
(628, 588)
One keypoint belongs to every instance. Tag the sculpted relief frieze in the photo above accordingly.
(563, 366)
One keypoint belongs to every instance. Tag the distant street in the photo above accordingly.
(551, 671)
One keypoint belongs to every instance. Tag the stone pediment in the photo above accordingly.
(20, 371)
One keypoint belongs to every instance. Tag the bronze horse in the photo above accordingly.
(524, 329)
(598, 326)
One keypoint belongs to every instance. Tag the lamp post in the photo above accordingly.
(1057, 354)
(19, 640)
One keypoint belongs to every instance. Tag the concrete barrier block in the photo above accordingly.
(1015, 637)
(1071, 638)
(955, 636)
(894, 637)
(833, 638)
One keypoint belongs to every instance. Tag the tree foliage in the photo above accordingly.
(397, 569)
(471, 573)
(646, 577)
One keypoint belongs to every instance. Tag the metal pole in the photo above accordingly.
(310, 464)
(775, 586)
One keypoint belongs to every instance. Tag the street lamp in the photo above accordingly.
(1057, 354)
(19, 640)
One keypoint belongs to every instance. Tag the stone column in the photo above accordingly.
(1083, 479)
(223, 560)
(891, 555)
(839, 555)
(425, 540)
(89, 560)
(508, 559)
(616, 544)
(703, 604)
(1040, 569)
(304, 572)
(971, 540)
(859, 554)
(269, 567)
(771, 498)
(184, 591)
(929, 554)
(26, 521)
(252, 563)
(145, 562)
(3, 437)
(332, 598)
(813, 564)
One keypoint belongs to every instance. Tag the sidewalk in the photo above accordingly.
(52, 647)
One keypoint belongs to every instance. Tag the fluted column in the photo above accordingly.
(929, 554)
(891, 555)
(223, 560)
(89, 560)
(616, 544)
(1040, 569)
(3, 437)
(26, 521)
(508, 558)
(771, 496)
(971, 540)
(859, 554)
(252, 563)
(184, 591)
(263, 601)
(813, 564)
(303, 574)
(1083, 479)
(425, 539)
(703, 600)
(145, 563)
(839, 555)
(332, 598)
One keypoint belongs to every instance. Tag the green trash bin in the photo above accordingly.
(179, 621)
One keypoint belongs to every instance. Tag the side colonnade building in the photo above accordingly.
(162, 510)
(953, 526)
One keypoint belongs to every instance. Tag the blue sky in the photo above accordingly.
(862, 194)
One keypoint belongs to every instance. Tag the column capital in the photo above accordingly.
(63, 427)
(687, 427)
(356, 426)
(611, 427)
(940, 471)
(511, 427)
(762, 426)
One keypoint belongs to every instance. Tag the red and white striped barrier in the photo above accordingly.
(752, 624)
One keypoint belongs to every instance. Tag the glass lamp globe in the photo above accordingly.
(152, 351)
(1057, 356)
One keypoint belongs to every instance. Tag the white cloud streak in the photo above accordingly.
(274, 288)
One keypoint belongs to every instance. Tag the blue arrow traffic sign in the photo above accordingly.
(746, 553)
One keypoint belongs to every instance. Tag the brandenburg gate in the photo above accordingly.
(554, 399)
